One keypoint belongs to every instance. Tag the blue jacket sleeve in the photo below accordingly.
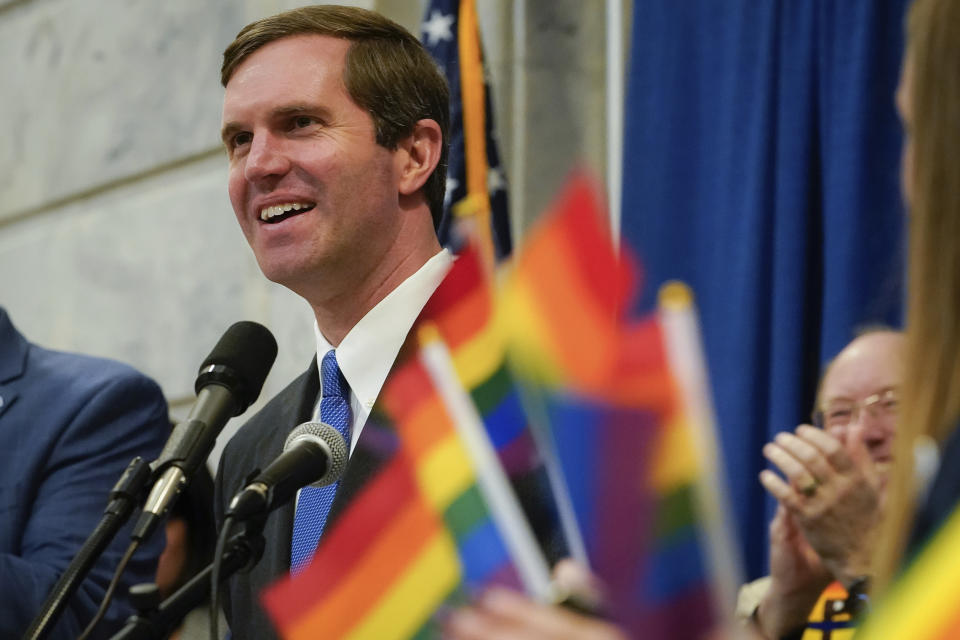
(67, 438)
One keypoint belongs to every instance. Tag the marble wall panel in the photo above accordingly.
(150, 274)
(101, 91)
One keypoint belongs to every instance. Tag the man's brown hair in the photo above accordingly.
(387, 72)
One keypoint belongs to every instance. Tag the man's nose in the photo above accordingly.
(874, 425)
(266, 159)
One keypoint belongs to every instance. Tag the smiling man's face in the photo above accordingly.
(314, 194)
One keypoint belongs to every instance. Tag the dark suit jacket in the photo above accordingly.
(69, 425)
(261, 440)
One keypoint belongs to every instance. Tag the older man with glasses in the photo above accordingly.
(829, 497)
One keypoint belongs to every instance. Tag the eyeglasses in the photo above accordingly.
(841, 413)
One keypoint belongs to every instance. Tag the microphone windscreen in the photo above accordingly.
(246, 352)
(330, 439)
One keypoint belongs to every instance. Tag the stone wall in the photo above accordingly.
(116, 235)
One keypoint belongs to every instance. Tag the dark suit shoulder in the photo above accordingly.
(261, 438)
(289, 403)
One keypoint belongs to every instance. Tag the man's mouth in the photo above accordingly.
(280, 212)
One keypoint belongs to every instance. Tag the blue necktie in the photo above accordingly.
(314, 502)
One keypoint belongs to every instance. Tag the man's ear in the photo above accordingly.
(418, 155)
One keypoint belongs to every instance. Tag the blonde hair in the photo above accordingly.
(931, 394)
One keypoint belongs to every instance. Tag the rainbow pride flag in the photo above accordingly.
(621, 421)
(441, 521)
(923, 603)
(462, 311)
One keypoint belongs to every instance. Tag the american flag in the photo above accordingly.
(476, 195)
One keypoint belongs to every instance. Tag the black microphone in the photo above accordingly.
(229, 381)
(314, 454)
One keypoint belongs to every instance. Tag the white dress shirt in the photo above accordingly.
(367, 352)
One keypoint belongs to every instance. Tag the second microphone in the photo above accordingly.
(314, 454)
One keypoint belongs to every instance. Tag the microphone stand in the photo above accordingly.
(244, 550)
(124, 497)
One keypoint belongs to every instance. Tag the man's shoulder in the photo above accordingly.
(251, 441)
(86, 397)
(84, 374)
(264, 432)
(287, 403)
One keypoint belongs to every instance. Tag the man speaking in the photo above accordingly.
(335, 121)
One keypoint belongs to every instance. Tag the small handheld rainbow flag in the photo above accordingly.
(632, 435)
(462, 312)
(922, 604)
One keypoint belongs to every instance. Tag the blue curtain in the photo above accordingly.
(762, 168)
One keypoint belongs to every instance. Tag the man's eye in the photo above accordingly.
(838, 414)
(241, 139)
(301, 122)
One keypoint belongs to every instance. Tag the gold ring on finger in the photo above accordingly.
(810, 488)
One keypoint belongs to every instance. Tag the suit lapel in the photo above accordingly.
(295, 406)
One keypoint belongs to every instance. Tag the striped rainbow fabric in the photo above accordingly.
(462, 314)
(411, 542)
(462, 311)
(421, 535)
(616, 415)
(923, 604)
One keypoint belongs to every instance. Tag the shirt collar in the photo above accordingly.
(367, 352)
